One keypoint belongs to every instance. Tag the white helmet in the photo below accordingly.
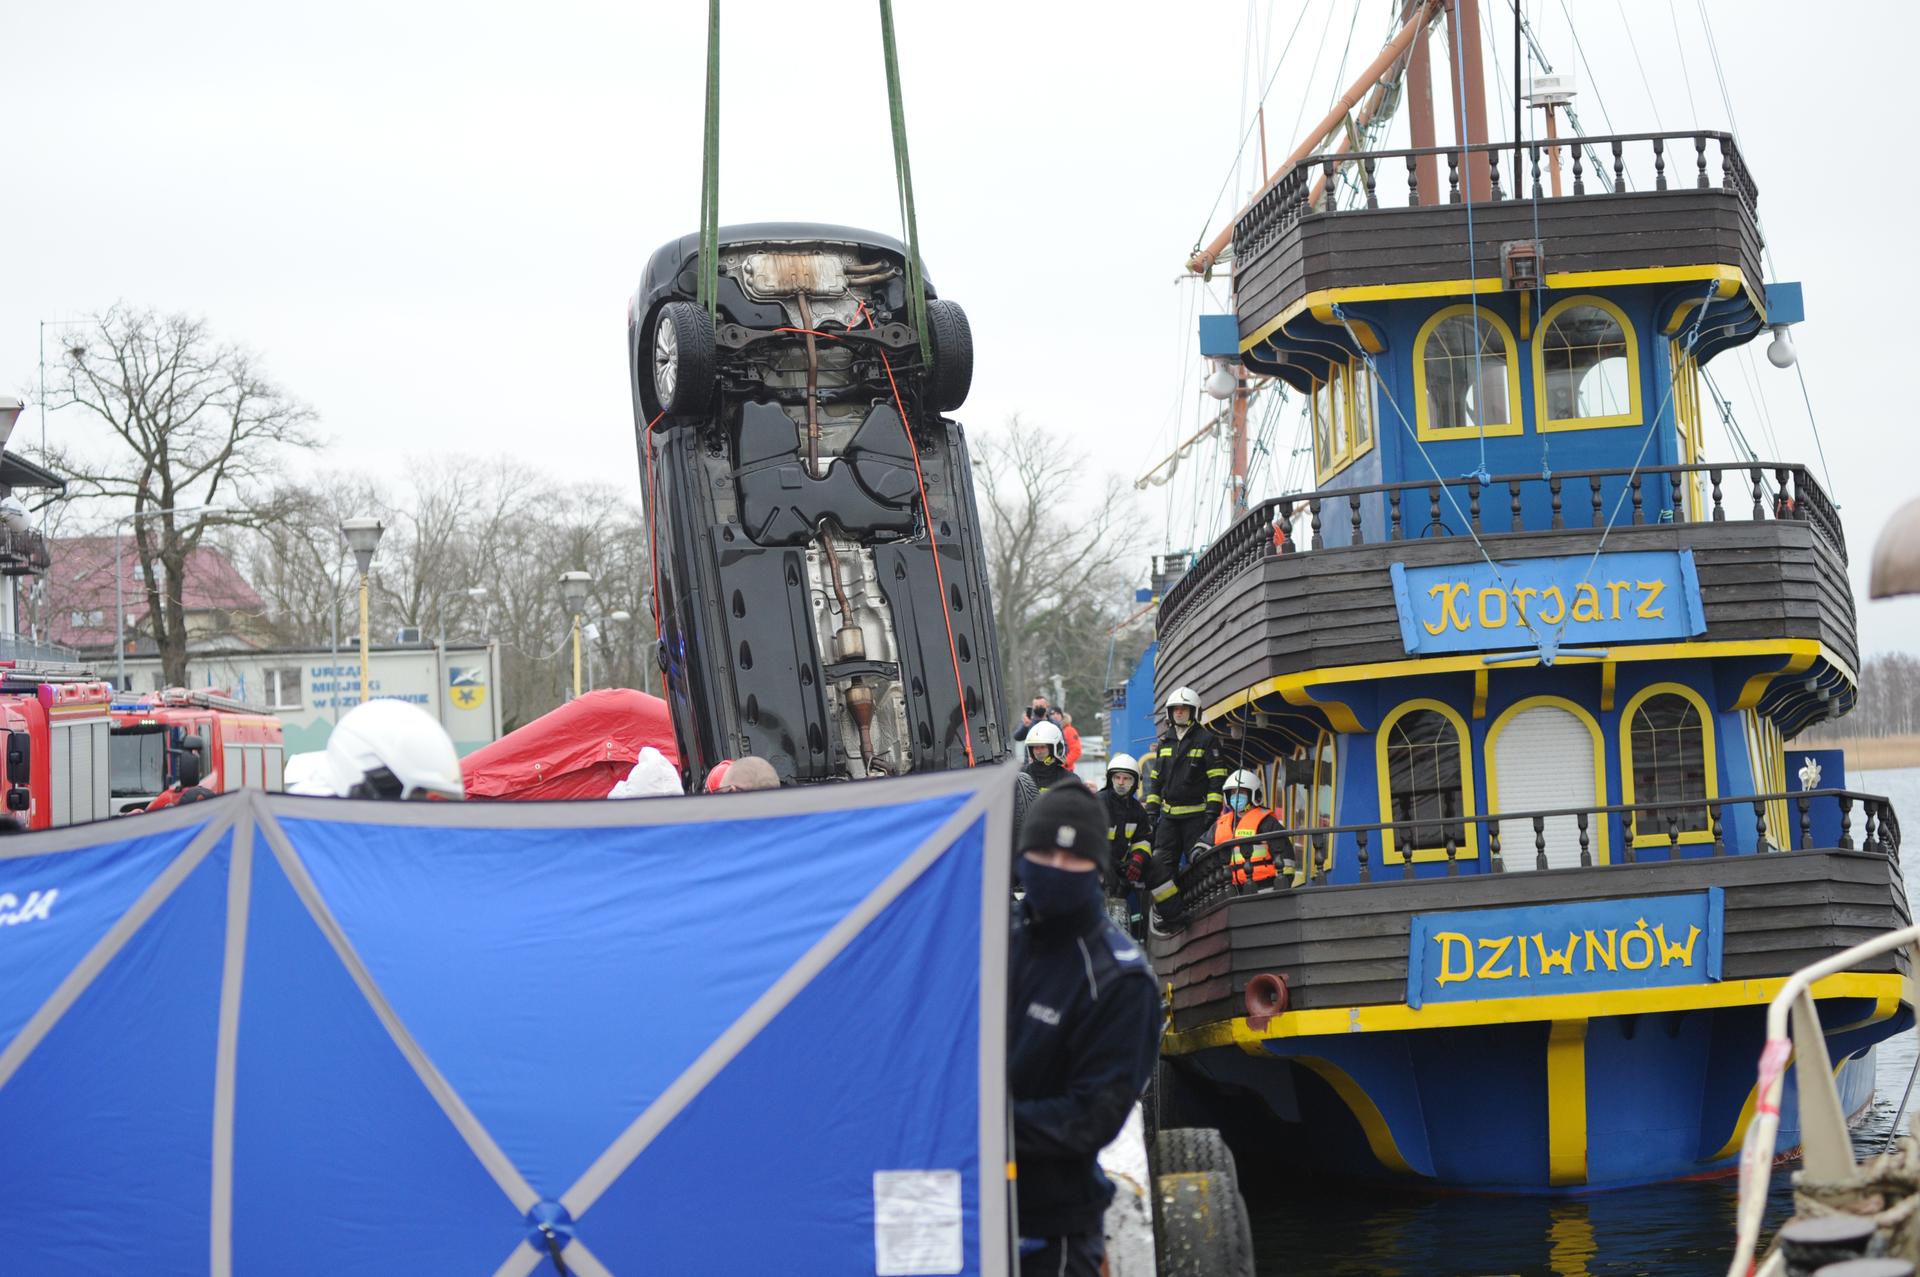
(1124, 763)
(1044, 733)
(1184, 696)
(1242, 779)
(392, 749)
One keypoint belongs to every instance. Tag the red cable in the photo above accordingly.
(939, 577)
(653, 556)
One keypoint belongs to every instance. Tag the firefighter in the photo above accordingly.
(1045, 761)
(1129, 828)
(188, 770)
(1083, 1033)
(1254, 866)
(392, 749)
(1184, 776)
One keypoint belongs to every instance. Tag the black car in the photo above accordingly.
(784, 446)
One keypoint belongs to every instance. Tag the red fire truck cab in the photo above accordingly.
(57, 725)
(240, 745)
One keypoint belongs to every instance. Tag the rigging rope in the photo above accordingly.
(1234, 168)
(1473, 262)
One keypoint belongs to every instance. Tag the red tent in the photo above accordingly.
(577, 751)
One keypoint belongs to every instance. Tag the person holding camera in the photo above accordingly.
(1036, 713)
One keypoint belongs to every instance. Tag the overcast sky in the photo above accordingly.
(427, 218)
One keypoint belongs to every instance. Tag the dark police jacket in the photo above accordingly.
(1084, 1023)
(1185, 774)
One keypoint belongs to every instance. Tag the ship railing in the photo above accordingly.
(1607, 165)
(1463, 506)
(1649, 832)
(1795, 1035)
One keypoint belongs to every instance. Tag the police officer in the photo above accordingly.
(1185, 775)
(1256, 866)
(1129, 828)
(1046, 763)
(1083, 1033)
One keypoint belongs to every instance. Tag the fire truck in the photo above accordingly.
(57, 726)
(240, 745)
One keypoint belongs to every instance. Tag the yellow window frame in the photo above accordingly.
(1709, 755)
(1596, 827)
(1348, 377)
(1634, 414)
(1389, 852)
(1424, 427)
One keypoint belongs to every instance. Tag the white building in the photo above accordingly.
(309, 689)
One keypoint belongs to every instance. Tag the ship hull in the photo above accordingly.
(1529, 1107)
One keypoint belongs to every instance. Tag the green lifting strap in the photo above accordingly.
(708, 273)
(903, 177)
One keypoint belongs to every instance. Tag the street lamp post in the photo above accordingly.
(120, 579)
(573, 592)
(363, 538)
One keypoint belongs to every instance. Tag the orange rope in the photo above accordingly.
(939, 577)
(653, 542)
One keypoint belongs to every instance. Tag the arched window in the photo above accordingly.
(1586, 367)
(1466, 376)
(1669, 760)
(1426, 776)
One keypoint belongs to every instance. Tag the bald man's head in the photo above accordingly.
(750, 772)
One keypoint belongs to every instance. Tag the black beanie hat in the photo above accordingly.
(1069, 817)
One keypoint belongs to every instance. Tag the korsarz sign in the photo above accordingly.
(1635, 597)
(1585, 946)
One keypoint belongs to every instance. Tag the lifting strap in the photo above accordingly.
(903, 182)
(708, 273)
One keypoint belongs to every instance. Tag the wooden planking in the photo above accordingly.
(1344, 946)
(1359, 247)
(1291, 613)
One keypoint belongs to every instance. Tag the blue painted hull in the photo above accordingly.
(1667, 1096)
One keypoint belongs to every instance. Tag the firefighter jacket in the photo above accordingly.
(1254, 864)
(1129, 829)
(1184, 775)
(1083, 1034)
(1048, 774)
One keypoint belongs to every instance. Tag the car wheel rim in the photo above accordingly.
(666, 361)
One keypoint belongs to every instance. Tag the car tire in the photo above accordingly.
(1201, 1227)
(1182, 1150)
(951, 339)
(681, 359)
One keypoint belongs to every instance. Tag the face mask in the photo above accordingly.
(1239, 800)
(1058, 893)
(1123, 784)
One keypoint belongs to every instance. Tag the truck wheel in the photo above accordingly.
(1200, 1226)
(682, 359)
(1182, 1150)
(952, 340)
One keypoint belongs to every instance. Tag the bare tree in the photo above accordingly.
(1059, 538)
(195, 423)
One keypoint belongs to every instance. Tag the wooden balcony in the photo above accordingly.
(1767, 543)
(1628, 202)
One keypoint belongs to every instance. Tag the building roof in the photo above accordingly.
(80, 584)
(18, 472)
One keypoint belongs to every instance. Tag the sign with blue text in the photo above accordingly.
(1568, 601)
(1582, 946)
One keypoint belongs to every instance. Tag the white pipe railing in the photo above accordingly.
(1793, 1027)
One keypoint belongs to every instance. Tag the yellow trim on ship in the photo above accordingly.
(1732, 280)
(1295, 688)
(1567, 1102)
(1886, 989)
(1386, 1150)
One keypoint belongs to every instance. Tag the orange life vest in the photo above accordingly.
(1250, 864)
